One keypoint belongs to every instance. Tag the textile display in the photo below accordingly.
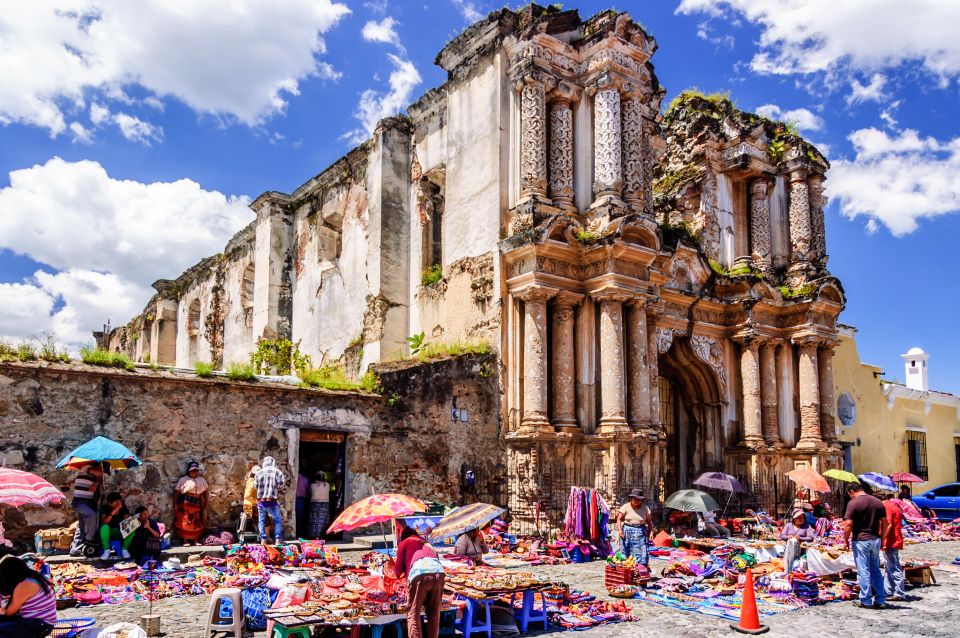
(587, 515)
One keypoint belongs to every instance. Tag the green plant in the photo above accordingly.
(393, 400)
(237, 371)
(585, 236)
(334, 378)
(440, 350)
(672, 233)
(7, 351)
(792, 293)
(370, 382)
(432, 275)
(776, 150)
(279, 356)
(26, 351)
(357, 341)
(485, 371)
(51, 351)
(203, 369)
(717, 267)
(416, 342)
(98, 357)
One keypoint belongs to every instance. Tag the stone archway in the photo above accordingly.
(690, 411)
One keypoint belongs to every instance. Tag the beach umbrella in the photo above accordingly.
(691, 501)
(720, 481)
(879, 481)
(378, 508)
(842, 475)
(463, 519)
(905, 477)
(809, 478)
(100, 450)
(19, 488)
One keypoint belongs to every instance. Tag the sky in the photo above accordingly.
(134, 135)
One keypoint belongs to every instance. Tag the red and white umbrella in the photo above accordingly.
(19, 488)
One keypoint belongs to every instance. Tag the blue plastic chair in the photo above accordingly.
(467, 625)
(377, 630)
(528, 612)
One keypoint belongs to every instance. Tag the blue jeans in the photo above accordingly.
(894, 570)
(866, 554)
(273, 509)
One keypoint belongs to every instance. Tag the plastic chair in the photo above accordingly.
(117, 547)
(279, 631)
(528, 612)
(235, 622)
(467, 626)
(377, 630)
(448, 623)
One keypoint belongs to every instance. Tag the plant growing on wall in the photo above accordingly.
(279, 356)
(98, 357)
(203, 369)
(586, 236)
(416, 342)
(432, 275)
(237, 371)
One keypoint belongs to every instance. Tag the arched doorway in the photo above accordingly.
(690, 411)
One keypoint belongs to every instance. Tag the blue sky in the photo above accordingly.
(132, 135)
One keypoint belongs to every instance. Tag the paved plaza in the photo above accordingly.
(931, 611)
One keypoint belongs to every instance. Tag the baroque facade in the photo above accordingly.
(654, 283)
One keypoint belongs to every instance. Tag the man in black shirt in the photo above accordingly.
(865, 523)
(112, 513)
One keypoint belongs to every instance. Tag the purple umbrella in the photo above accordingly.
(879, 481)
(720, 481)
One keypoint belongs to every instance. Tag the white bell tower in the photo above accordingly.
(915, 367)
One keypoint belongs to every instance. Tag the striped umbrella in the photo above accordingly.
(809, 478)
(879, 481)
(23, 488)
(463, 519)
(100, 450)
(378, 508)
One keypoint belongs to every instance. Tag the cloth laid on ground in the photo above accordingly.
(821, 563)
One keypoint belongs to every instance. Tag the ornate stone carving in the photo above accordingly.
(760, 224)
(708, 350)
(799, 217)
(647, 154)
(533, 135)
(607, 156)
(665, 338)
(561, 154)
(633, 142)
(818, 232)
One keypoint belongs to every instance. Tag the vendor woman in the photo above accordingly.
(471, 545)
(190, 505)
(30, 607)
(635, 524)
(798, 528)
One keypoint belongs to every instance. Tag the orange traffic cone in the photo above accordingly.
(749, 617)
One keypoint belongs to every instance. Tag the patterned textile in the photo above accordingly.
(635, 543)
(268, 481)
(319, 517)
(23, 488)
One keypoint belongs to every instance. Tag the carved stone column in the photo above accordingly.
(632, 129)
(612, 369)
(799, 218)
(828, 427)
(607, 155)
(750, 379)
(533, 134)
(564, 389)
(535, 357)
(818, 231)
(638, 369)
(809, 380)
(760, 224)
(653, 363)
(561, 147)
(768, 393)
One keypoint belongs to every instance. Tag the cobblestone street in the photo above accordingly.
(932, 611)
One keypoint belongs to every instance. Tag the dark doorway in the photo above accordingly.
(323, 459)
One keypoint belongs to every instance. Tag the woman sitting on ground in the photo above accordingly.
(31, 606)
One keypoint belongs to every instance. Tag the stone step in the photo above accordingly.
(375, 541)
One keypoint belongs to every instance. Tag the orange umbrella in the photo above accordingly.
(376, 509)
(809, 478)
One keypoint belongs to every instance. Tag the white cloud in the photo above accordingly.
(136, 130)
(803, 118)
(98, 114)
(870, 92)
(809, 36)
(469, 10)
(897, 180)
(383, 31)
(238, 59)
(81, 134)
(888, 114)
(376, 105)
(705, 32)
(108, 239)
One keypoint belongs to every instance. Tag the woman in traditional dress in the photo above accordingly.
(190, 505)
(319, 505)
(635, 525)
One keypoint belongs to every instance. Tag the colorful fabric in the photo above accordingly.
(423, 567)
(42, 605)
(188, 517)
(23, 488)
(375, 509)
(635, 543)
(319, 517)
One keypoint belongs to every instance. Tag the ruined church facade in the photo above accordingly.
(653, 280)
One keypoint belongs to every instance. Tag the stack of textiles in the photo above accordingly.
(806, 586)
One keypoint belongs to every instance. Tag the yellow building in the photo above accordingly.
(892, 427)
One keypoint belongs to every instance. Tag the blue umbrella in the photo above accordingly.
(100, 450)
(879, 481)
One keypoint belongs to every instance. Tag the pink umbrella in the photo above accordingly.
(23, 488)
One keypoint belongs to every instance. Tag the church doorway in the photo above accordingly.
(323, 456)
(690, 412)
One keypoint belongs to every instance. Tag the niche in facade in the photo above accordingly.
(430, 203)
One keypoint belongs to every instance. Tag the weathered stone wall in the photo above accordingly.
(409, 444)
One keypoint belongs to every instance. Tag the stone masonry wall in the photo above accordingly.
(409, 444)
